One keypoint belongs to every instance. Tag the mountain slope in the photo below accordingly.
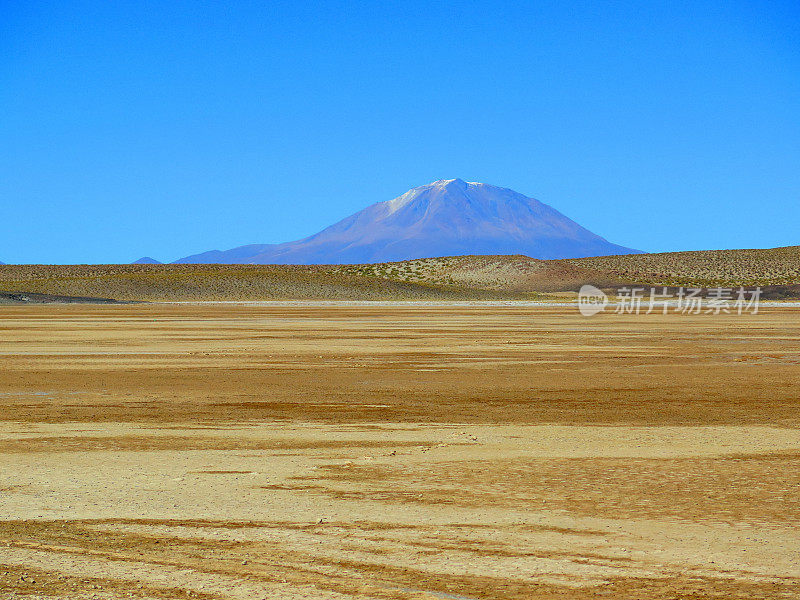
(445, 218)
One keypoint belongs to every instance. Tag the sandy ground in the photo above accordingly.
(428, 451)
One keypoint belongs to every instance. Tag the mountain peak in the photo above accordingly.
(146, 260)
(449, 183)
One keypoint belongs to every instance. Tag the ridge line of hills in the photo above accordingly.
(443, 278)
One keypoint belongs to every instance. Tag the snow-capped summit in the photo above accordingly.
(445, 218)
(451, 183)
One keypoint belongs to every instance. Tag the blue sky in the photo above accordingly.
(170, 128)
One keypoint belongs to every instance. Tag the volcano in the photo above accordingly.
(449, 217)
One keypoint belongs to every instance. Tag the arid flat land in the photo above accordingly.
(373, 451)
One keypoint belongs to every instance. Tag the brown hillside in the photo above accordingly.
(447, 278)
(773, 266)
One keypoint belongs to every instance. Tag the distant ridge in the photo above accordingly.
(449, 217)
(146, 260)
(775, 270)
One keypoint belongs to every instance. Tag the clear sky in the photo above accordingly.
(170, 128)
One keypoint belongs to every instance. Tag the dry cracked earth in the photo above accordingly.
(377, 451)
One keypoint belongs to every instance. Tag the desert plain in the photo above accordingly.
(457, 451)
